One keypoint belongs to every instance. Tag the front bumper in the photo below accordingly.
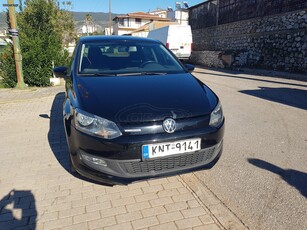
(119, 161)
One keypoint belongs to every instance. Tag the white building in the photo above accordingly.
(125, 24)
(88, 29)
(180, 16)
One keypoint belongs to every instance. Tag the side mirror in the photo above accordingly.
(60, 72)
(189, 67)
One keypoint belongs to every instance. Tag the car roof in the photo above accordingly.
(108, 38)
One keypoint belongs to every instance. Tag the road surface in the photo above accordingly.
(262, 175)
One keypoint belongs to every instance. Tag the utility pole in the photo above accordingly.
(17, 52)
(110, 17)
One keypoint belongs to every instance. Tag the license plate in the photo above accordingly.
(170, 148)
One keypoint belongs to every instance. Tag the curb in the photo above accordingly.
(223, 215)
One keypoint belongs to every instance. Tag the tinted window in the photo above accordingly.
(126, 57)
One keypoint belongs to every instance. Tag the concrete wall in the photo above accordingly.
(274, 42)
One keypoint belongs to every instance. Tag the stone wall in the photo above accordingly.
(274, 42)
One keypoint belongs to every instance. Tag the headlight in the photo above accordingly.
(216, 117)
(96, 126)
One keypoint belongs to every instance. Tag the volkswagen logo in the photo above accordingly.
(169, 125)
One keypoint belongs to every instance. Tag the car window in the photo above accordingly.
(126, 57)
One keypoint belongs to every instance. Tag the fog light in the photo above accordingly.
(219, 146)
(92, 159)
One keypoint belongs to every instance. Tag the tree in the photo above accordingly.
(44, 29)
(88, 21)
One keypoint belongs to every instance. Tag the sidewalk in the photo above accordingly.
(38, 192)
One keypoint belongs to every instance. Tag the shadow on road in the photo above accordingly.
(248, 78)
(294, 178)
(287, 96)
(18, 210)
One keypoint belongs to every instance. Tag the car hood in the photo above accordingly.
(145, 98)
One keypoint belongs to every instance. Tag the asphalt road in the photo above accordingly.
(262, 175)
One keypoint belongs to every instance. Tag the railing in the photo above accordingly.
(214, 12)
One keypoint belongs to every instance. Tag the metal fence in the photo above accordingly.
(204, 15)
(236, 10)
(215, 12)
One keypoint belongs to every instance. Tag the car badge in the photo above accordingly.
(169, 125)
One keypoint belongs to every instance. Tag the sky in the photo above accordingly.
(120, 6)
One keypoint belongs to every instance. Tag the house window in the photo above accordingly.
(138, 21)
(121, 22)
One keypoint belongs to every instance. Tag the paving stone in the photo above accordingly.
(158, 181)
(166, 226)
(138, 206)
(98, 207)
(145, 222)
(80, 226)
(207, 227)
(171, 216)
(83, 202)
(188, 223)
(60, 223)
(146, 197)
(206, 219)
(123, 226)
(38, 160)
(168, 192)
(153, 211)
(85, 217)
(192, 212)
(176, 206)
(183, 197)
(71, 212)
(152, 189)
(44, 217)
(161, 201)
(113, 211)
(131, 193)
(101, 223)
(128, 217)
(123, 201)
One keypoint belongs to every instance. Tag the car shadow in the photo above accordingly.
(57, 138)
(18, 210)
(294, 178)
(287, 96)
(56, 135)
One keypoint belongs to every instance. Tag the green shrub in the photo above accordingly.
(7, 67)
(43, 30)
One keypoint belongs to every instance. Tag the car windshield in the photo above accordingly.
(126, 58)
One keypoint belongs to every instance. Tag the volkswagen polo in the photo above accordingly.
(133, 111)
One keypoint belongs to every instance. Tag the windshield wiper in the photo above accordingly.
(98, 74)
(140, 73)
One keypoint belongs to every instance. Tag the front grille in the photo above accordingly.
(168, 163)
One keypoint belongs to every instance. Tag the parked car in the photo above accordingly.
(133, 111)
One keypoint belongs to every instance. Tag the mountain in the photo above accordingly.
(3, 24)
(101, 20)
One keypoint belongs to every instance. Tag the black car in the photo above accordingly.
(133, 111)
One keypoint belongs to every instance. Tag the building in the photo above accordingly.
(180, 14)
(3, 44)
(144, 30)
(125, 24)
(159, 12)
